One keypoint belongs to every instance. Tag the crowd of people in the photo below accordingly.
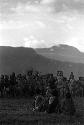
(33, 83)
(57, 97)
(52, 93)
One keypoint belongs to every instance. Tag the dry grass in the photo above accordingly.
(17, 112)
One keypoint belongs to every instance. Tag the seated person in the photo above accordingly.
(53, 102)
(39, 104)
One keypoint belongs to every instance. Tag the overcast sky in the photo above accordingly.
(42, 23)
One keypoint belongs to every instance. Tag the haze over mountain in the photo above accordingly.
(62, 53)
(20, 59)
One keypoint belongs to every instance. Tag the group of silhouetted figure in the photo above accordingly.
(52, 93)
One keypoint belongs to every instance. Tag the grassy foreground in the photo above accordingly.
(18, 112)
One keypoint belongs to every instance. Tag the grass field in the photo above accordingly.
(18, 112)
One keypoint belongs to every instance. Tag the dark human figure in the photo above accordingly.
(71, 76)
(68, 105)
(12, 84)
(53, 102)
(6, 85)
(6, 80)
(13, 79)
(38, 103)
(2, 85)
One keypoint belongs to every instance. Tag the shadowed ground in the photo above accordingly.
(18, 112)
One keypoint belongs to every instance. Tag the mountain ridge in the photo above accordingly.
(63, 53)
(20, 59)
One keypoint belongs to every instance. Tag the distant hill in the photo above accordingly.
(20, 59)
(62, 53)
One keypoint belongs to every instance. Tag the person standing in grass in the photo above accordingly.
(68, 105)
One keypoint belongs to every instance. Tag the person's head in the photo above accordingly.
(2, 76)
(6, 77)
(13, 74)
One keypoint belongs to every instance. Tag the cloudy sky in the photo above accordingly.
(42, 23)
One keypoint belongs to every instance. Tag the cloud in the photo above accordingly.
(77, 42)
(22, 24)
(32, 41)
(22, 8)
(40, 24)
(13, 24)
(29, 6)
(43, 23)
(79, 1)
(47, 1)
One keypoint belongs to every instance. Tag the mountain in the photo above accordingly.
(62, 53)
(20, 59)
